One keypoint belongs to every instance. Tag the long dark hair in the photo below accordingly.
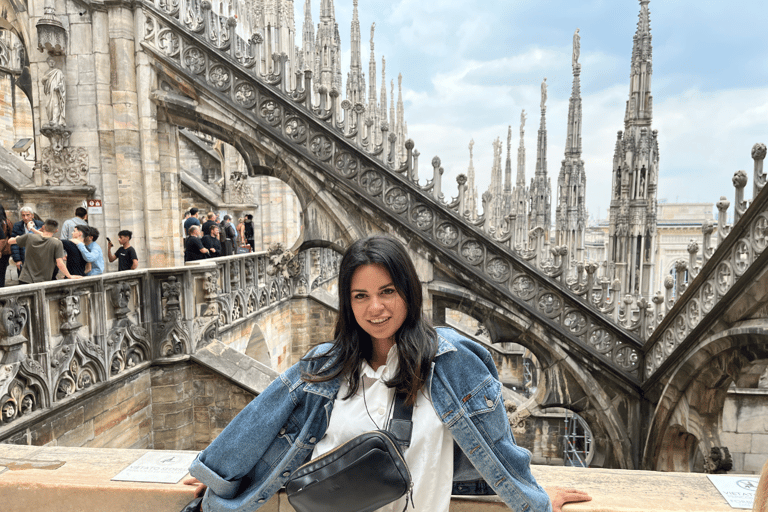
(416, 339)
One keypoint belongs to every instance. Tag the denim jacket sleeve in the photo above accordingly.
(466, 394)
(241, 445)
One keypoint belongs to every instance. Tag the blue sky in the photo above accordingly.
(470, 68)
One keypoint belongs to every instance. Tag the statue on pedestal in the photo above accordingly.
(55, 89)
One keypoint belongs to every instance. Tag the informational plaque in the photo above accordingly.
(158, 467)
(739, 491)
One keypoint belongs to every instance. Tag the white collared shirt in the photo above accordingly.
(430, 456)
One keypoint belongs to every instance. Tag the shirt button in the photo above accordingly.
(381, 411)
(282, 431)
(312, 440)
(262, 500)
(287, 473)
(489, 402)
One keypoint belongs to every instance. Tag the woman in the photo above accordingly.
(241, 242)
(340, 390)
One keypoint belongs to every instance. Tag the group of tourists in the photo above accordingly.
(39, 255)
(213, 237)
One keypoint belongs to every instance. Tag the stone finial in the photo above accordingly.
(544, 94)
(759, 179)
(576, 48)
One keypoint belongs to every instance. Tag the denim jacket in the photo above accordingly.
(276, 433)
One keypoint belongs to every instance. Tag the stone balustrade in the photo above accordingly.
(61, 338)
(55, 479)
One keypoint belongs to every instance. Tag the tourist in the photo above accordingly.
(22, 227)
(210, 221)
(5, 253)
(227, 236)
(192, 220)
(85, 237)
(44, 253)
(248, 232)
(80, 219)
(126, 255)
(76, 264)
(194, 249)
(212, 243)
(382, 342)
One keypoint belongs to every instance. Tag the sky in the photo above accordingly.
(469, 68)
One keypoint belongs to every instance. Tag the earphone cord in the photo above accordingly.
(389, 413)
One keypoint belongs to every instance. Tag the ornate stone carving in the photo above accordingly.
(13, 319)
(524, 287)
(245, 95)
(282, 262)
(472, 251)
(447, 234)
(66, 166)
(396, 199)
(422, 216)
(372, 182)
(346, 164)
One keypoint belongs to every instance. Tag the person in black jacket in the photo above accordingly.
(20, 228)
(227, 236)
(212, 243)
(194, 249)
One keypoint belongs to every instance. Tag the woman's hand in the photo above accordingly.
(560, 497)
(201, 487)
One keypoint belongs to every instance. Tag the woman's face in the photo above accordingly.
(377, 306)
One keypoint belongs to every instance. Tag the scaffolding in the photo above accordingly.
(578, 441)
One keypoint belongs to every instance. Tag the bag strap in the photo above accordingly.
(401, 425)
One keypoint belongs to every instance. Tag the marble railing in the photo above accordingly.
(725, 270)
(62, 337)
(187, 37)
(41, 479)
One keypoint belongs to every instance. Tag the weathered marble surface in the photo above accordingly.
(78, 479)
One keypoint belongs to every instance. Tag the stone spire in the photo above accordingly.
(383, 99)
(392, 115)
(571, 215)
(471, 201)
(327, 49)
(355, 77)
(508, 174)
(496, 204)
(372, 81)
(273, 19)
(540, 191)
(632, 222)
(400, 127)
(308, 37)
(520, 194)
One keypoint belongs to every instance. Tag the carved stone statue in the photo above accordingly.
(471, 145)
(544, 94)
(522, 123)
(576, 47)
(719, 461)
(54, 88)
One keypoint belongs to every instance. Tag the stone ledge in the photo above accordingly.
(236, 367)
(78, 480)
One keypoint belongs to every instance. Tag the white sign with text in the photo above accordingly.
(739, 491)
(158, 467)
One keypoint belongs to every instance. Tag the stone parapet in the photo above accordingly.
(79, 479)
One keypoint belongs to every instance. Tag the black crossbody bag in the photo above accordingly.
(362, 475)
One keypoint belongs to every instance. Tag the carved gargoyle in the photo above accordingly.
(719, 461)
